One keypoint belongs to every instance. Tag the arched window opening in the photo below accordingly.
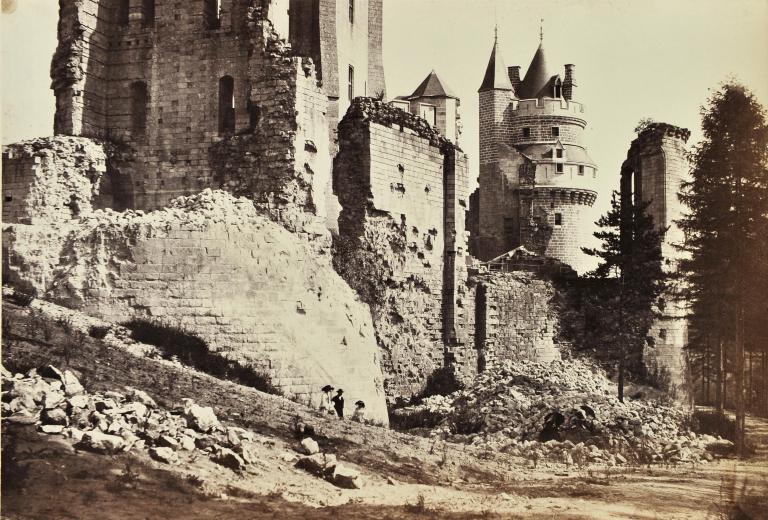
(212, 14)
(123, 12)
(226, 105)
(148, 13)
(558, 89)
(139, 100)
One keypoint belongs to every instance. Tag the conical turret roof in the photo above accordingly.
(536, 78)
(432, 86)
(496, 75)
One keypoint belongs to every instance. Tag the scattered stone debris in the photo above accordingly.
(114, 422)
(566, 412)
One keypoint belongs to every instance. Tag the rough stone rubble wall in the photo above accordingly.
(53, 179)
(393, 179)
(259, 294)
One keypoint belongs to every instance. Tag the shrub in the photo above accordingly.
(441, 382)
(713, 422)
(98, 331)
(407, 420)
(465, 421)
(21, 299)
(191, 350)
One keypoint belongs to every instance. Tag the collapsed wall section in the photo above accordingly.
(402, 245)
(257, 293)
(54, 179)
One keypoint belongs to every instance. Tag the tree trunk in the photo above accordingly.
(719, 377)
(621, 378)
(740, 404)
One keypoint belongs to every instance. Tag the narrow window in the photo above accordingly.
(581, 169)
(148, 14)
(351, 83)
(427, 112)
(139, 99)
(663, 334)
(559, 167)
(558, 219)
(226, 105)
(559, 154)
(8, 198)
(526, 132)
(351, 11)
(555, 131)
(558, 89)
(123, 12)
(212, 13)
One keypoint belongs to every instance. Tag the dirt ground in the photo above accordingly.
(406, 476)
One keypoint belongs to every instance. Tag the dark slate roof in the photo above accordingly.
(432, 86)
(496, 75)
(534, 85)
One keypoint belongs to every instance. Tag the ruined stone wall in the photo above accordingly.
(393, 176)
(653, 172)
(259, 294)
(53, 179)
(180, 55)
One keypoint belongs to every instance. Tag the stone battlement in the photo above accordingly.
(547, 106)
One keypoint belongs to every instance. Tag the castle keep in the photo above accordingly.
(536, 178)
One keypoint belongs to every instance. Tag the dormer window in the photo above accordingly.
(526, 132)
(559, 153)
(558, 88)
(555, 131)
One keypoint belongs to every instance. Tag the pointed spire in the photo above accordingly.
(496, 75)
(537, 77)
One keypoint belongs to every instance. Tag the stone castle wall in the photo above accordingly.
(393, 175)
(259, 294)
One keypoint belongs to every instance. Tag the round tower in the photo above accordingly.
(535, 168)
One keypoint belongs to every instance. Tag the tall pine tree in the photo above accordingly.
(626, 284)
(724, 268)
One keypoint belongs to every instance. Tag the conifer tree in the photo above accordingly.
(626, 284)
(724, 229)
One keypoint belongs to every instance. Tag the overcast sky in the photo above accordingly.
(634, 59)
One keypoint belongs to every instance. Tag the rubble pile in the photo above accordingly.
(564, 411)
(114, 422)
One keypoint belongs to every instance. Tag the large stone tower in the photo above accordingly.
(181, 84)
(536, 178)
(655, 167)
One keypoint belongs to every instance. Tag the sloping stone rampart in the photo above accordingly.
(259, 294)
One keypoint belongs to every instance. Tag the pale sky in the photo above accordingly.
(634, 59)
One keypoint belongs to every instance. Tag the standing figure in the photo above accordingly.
(359, 413)
(338, 403)
(325, 399)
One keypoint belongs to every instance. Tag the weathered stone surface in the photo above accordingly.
(54, 416)
(102, 443)
(140, 396)
(223, 265)
(229, 459)
(200, 418)
(347, 478)
(52, 429)
(165, 455)
(310, 446)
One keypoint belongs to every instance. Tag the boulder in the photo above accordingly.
(186, 443)
(21, 417)
(102, 443)
(229, 459)
(103, 405)
(71, 384)
(165, 455)
(309, 446)
(54, 416)
(167, 441)
(78, 401)
(52, 398)
(52, 429)
(140, 396)
(200, 418)
(347, 478)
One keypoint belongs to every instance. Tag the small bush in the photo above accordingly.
(21, 299)
(714, 423)
(465, 421)
(189, 349)
(98, 331)
(408, 420)
(441, 382)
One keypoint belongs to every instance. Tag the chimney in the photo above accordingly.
(569, 83)
(514, 76)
